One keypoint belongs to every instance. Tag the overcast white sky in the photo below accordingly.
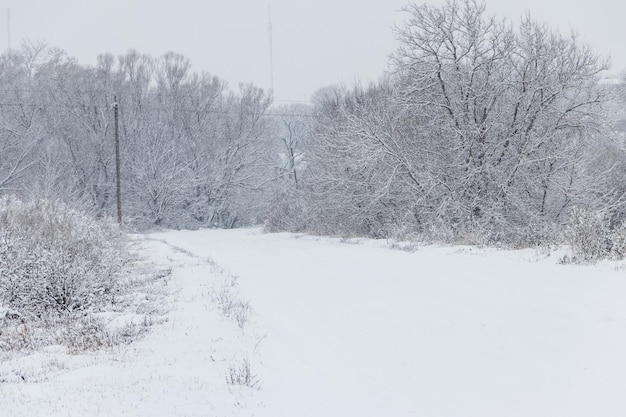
(316, 42)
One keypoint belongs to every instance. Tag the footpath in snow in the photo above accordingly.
(362, 330)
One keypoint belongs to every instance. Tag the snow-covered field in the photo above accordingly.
(353, 329)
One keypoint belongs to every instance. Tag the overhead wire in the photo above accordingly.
(153, 95)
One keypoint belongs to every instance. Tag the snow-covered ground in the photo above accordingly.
(358, 329)
(178, 369)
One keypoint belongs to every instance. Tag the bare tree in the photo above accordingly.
(20, 120)
(482, 130)
(509, 111)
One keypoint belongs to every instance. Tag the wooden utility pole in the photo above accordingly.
(117, 163)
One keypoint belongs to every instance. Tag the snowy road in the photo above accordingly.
(353, 330)
(361, 330)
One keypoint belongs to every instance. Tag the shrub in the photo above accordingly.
(587, 235)
(593, 237)
(55, 259)
(287, 212)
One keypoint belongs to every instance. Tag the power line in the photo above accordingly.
(90, 107)
(109, 93)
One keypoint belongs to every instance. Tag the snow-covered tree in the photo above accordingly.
(481, 130)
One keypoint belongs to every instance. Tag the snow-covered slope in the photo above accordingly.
(359, 329)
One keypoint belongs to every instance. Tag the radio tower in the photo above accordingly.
(269, 32)
(8, 29)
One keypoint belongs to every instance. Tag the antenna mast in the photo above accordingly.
(269, 31)
(8, 29)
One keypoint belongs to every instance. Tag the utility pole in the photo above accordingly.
(117, 163)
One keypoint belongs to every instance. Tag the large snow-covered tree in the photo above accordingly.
(483, 128)
(509, 113)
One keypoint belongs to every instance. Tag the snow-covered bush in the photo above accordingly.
(587, 235)
(54, 259)
(287, 212)
(592, 237)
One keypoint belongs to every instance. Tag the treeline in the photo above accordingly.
(481, 131)
(191, 148)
